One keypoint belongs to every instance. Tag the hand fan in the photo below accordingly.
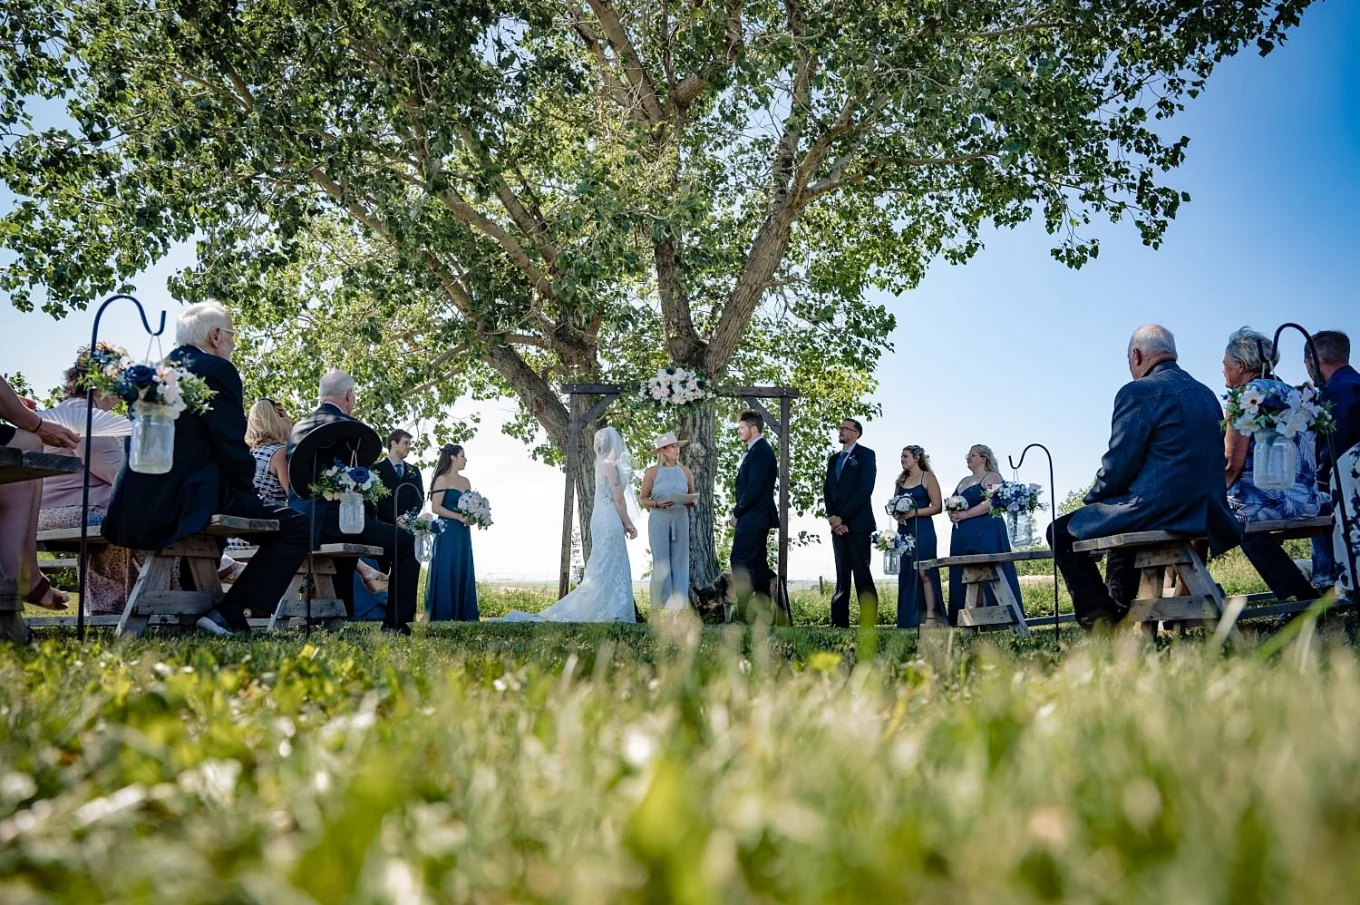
(105, 424)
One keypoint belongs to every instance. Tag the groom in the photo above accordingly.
(755, 513)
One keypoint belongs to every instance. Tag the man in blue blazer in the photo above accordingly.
(213, 473)
(1163, 471)
(1342, 390)
(850, 476)
(755, 512)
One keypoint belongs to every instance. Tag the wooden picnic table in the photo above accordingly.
(17, 465)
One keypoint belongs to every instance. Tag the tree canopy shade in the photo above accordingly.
(496, 196)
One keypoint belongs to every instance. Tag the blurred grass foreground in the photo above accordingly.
(588, 764)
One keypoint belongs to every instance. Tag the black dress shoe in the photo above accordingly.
(397, 629)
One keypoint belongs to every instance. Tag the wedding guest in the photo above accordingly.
(1248, 356)
(1342, 390)
(1163, 471)
(849, 482)
(451, 586)
(407, 493)
(976, 531)
(754, 514)
(212, 472)
(111, 570)
(335, 404)
(21, 500)
(668, 525)
(915, 585)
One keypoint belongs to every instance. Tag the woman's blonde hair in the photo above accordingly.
(985, 451)
(266, 424)
(921, 459)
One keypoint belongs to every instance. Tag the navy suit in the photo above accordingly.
(212, 473)
(407, 493)
(845, 493)
(1163, 471)
(1343, 392)
(324, 516)
(756, 514)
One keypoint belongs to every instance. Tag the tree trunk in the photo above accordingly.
(697, 425)
(585, 490)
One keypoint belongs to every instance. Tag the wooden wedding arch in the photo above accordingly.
(608, 392)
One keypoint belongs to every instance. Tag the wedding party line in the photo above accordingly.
(1179, 460)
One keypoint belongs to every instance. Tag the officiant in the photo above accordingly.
(667, 489)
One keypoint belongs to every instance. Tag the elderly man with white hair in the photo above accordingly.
(1163, 472)
(213, 473)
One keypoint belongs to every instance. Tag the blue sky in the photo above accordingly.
(1014, 347)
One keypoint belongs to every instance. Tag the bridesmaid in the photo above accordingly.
(915, 586)
(668, 525)
(975, 531)
(451, 589)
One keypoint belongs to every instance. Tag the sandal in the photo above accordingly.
(49, 598)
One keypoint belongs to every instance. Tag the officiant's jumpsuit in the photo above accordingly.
(668, 531)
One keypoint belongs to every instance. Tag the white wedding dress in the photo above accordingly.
(605, 593)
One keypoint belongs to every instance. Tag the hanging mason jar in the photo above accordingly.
(1273, 466)
(424, 545)
(892, 562)
(351, 512)
(152, 447)
(1019, 529)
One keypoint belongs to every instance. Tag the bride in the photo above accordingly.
(606, 590)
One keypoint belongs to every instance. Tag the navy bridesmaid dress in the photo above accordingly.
(910, 589)
(451, 587)
(982, 534)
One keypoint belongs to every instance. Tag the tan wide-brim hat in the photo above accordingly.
(667, 439)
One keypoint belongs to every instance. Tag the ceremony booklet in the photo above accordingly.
(681, 499)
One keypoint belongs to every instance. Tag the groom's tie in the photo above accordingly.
(840, 464)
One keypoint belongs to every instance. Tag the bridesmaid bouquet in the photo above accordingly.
(1011, 496)
(1268, 405)
(418, 522)
(475, 508)
(341, 478)
(892, 542)
(902, 504)
(110, 370)
(674, 386)
(956, 503)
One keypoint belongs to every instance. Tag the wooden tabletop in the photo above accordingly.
(16, 465)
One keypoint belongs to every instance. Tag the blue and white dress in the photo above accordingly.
(1300, 500)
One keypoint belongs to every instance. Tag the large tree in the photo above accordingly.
(499, 195)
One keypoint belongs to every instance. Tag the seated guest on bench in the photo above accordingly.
(20, 500)
(335, 404)
(1245, 361)
(213, 473)
(1163, 472)
(112, 570)
(1343, 391)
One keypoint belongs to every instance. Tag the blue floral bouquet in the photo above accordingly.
(1012, 496)
(892, 542)
(341, 478)
(1266, 405)
(418, 522)
(110, 370)
(902, 504)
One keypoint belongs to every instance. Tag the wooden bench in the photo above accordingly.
(17, 465)
(981, 572)
(1196, 597)
(327, 607)
(151, 595)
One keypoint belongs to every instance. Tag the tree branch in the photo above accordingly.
(638, 77)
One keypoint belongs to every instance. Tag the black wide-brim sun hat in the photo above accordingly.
(352, 442)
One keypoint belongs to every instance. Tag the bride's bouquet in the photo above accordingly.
(475, 508)
(1011, 496)
(956, 503)
(1269, 405)
(110, 370)
(340, 479)
(674, 386)
(902, 504)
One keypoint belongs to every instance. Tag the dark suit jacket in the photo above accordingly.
(755, 487)
(410, 499)
(1343, 392)
(848, 495)
(212, 462)
(1164, 468)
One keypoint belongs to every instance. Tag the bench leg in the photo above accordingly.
(294, 589)
(155, 575)
(11, 613)
(1006, 597)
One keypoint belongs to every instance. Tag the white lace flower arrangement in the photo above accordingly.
(674, 386)
(475, 508)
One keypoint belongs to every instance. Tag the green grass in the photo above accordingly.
(485, 763)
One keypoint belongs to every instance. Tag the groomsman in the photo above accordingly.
(755, 513)
(408, 492)
(850, 476)
(1342, 390)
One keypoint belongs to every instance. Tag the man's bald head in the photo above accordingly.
(1150, 345)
